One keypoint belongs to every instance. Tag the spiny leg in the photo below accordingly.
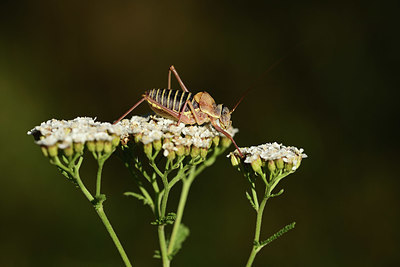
(219, 129)
(169, 78)
(181, 112)
(191, 109)
(172, 68)
(129, 111)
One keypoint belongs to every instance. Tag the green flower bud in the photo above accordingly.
(107, 147)
(187, 150)
(171, 155)
(53, 150)
(157, 145)
(234, 160)
(99, 146)
(180, 151)
(115, 141)
(203, 152)
(78, 147)
(226, 142)
(148, 149)
(194, 152)
(288, 166)
(44, 151)
(216, 140)
(279, 163)
(69, 151)
(138, 137)
(91, 146)
(256, 165)
(271, 166)
(298, 162)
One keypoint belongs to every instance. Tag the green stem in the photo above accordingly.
(98, 180)
(163, 246)
(74, 171)
(179, 213)
(107, 224)
(256, 248)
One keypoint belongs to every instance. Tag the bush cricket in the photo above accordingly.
(186, 107)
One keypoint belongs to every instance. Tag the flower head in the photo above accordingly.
(273, 156)
(161, 133)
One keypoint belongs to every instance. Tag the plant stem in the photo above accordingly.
(163, 246)
(98, 206)
(256, 248)
(98, 180)
(107, 224)
(179, 213)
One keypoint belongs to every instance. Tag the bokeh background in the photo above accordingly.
(335, 94)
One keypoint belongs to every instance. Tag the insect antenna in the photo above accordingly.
(270, 68)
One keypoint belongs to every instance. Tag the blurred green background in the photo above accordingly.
(335, 95)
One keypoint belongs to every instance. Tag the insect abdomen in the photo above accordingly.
(172, 99)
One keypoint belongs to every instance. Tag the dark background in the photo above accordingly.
(335, 95)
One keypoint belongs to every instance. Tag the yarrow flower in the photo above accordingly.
(271, 162)
(153, 132)
(157, 133)
(72, 135)
(273, 155)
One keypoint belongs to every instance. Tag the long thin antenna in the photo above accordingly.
(265, 72)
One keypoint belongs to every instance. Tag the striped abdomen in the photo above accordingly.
(172, 99)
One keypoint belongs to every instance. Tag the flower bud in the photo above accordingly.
(148, 149)
(226, 142)
(215, 140)
(256, 165)
(44, 151)
(53, 150)
(157, 145)
(78, 147)
(203, 152)
(271, 166)
(187, 150)
(91, 146)
(99, 146)
(107, 147)
(171, 155)
(68, 151)
(279, 164)
(138, 137)
(298, 162)
(234, 160)
(115, 141)
(288, 166)
(195, 151)
(180, 151)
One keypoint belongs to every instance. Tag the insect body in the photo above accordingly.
(187, 107)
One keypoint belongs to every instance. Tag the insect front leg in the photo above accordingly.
(219, 129)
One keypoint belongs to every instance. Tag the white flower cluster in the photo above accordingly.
(79, 130)
(152, 128)
(272, 151)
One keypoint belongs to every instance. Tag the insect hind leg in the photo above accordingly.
(173, 70)
(129, 111)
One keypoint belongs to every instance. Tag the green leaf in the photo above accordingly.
(183, 233)
(277, 194)
(278, 234)
(138, 196)
(251, 201)
(157, 254)
(169, 219)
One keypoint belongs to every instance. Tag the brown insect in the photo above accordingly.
(188, 108)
